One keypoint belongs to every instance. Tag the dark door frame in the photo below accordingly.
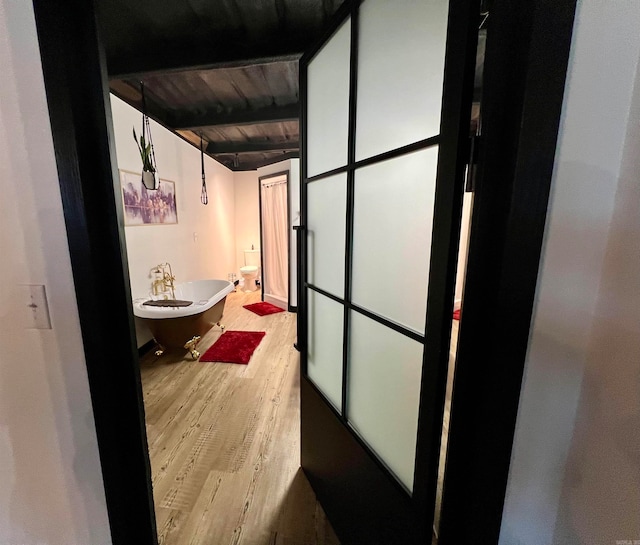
(286, 173)
(527, 54)
(77, 90)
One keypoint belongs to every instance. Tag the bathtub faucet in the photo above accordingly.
(163, 280)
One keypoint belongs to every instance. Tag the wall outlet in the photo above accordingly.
(36, 307)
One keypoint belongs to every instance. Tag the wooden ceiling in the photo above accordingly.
(226, 70)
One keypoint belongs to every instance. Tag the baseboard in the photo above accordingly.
(146, 347)
(274, 300)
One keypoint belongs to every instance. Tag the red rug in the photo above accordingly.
(234, 347)
(263, 308)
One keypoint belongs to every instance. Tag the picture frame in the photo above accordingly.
(143, 206)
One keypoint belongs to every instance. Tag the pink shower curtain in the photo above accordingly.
(275, 233)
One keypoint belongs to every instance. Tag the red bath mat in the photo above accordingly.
(263, 308)
(234, 347)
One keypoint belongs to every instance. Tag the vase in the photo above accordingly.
(150, 179)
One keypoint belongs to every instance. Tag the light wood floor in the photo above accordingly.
(224, 442)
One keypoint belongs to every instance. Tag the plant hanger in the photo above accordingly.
(204, 198)
(145, 147)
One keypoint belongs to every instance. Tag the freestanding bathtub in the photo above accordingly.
(182, 327)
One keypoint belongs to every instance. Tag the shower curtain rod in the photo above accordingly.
(271, 184)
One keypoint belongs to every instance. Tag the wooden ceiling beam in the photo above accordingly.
(169, 59)
(273, 160)
(248, 147)
(250, 162)
(273, 114)
(132, 96)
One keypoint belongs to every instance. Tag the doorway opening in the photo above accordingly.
(470, 182)
(223, 438)
(125, 472)
(275, 238)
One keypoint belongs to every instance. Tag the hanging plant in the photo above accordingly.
(146, 154)
(145, 147)
(204, 198)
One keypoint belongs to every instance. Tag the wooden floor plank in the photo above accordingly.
(224, 442)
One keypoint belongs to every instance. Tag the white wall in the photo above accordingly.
(575, 472)
(51, 490)
(202, 244)
(247, 214)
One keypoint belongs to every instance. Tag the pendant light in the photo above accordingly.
(204, 198)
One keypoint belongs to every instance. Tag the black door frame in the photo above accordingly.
(77, 90)
(527, 55)
(286, 173)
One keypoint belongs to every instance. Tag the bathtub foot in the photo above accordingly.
(221, 326)
(191, 347)
(159, 351)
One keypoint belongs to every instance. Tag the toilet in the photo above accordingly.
(250, 270)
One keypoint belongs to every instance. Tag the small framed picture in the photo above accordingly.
(143, 206)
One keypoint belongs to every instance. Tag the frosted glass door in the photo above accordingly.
(378, 203)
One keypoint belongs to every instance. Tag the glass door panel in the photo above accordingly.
(393, 216)
(326, 210)
(385, 368)
(324, 346)
(328, 104)
(400, 73)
